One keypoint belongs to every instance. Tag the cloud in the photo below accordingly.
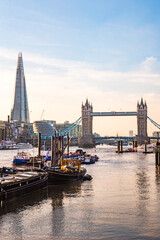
(84, 71)
(150, 64)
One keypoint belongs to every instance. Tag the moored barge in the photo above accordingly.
(21, 182)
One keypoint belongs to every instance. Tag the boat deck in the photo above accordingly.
(19, 177)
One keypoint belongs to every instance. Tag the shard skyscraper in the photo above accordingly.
(20, 111)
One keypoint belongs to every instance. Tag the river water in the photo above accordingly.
(121, 202)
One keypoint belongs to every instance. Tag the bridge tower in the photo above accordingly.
(142, 122)
(86, 140)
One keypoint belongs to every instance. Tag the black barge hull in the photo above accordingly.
(23, 187)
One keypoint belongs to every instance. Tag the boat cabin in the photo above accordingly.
(70, 164)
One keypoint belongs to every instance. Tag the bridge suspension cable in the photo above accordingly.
(64, 132)
(70, 128)
(154, 123)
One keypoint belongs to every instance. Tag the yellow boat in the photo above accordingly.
(68, 170)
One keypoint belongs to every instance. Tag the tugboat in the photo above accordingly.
(61, 170)
(67, 171)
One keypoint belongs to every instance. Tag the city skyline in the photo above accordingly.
(105, 51)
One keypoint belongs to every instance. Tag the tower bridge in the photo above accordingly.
(87, 114)
(88, 140)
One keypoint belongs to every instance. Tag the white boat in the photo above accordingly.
(24, 145)
(150, 147)
(7, 145)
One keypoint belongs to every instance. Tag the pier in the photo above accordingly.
(157, 154)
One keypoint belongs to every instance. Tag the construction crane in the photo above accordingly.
(42, 114)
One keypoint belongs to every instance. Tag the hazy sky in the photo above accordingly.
(106, 50)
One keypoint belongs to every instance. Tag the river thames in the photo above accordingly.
(121, 202)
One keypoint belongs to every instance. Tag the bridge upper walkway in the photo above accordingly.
(113, 113)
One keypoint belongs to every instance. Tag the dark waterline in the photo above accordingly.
(121, 202)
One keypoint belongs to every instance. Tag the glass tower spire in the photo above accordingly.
(20, 111)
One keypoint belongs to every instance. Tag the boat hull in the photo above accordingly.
(90, 162)
(60, 176)
(26, 186)
(18, 161)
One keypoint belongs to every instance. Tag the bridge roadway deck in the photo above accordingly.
(113, 113)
